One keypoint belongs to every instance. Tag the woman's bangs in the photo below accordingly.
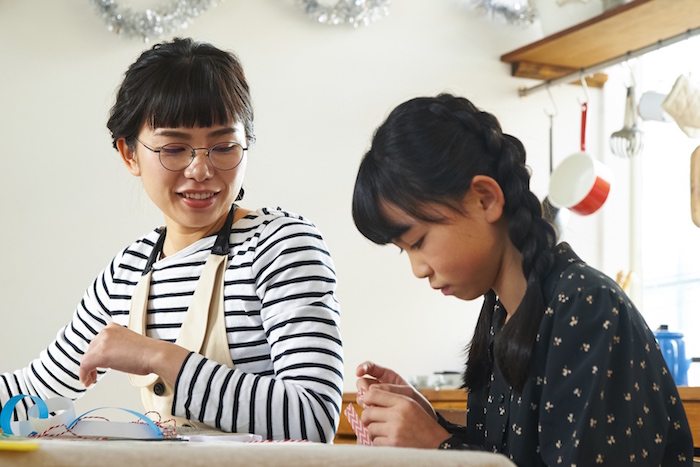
(190, 98)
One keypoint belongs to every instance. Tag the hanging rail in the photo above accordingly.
(582, 72)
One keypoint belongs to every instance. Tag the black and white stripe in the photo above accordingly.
(282, 321)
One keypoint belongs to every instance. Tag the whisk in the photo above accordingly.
(628, 141)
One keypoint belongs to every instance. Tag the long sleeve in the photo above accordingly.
(282, 323)
(598, 390)
(607, 395)
(55, 372)
(300, 397)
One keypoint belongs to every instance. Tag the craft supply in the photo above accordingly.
(64, 422)
(239, 438)
(357, 426)
(17, 443)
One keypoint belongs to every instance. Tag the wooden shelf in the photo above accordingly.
(628, 27)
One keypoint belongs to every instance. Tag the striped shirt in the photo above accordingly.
(282, 321)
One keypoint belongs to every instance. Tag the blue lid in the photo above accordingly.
(668, 334)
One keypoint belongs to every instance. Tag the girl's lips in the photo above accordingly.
(445, 290)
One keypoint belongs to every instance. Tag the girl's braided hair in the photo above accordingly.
(428, 151)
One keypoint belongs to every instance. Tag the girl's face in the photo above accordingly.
(198, 198)
(461, 256)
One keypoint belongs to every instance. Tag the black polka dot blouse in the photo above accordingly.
(599, 393)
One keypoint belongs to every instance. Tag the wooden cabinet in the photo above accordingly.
(691, 403)
(613, 34)
(452, 403)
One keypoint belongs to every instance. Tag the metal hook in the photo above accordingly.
(585, 90)
(632, 82)
(554, 112)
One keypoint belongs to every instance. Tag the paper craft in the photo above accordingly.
(357, 426)
(40, 423)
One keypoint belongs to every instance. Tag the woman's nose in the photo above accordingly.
(200, 169)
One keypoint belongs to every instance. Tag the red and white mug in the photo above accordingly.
(580, 184)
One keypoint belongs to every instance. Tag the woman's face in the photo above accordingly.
(198, 198)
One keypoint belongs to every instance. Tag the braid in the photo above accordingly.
(534, 237)
(428, 151)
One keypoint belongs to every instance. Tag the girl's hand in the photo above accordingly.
(394, 419)
(371, 375)
(121, 349)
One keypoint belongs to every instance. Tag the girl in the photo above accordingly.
(225, 317)
(562, 368)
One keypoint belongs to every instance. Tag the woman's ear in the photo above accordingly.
(129, 157)
(490, 197)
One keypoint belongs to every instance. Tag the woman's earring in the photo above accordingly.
(240, 195)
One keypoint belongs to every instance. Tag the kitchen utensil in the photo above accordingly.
(580, 183)
(695, 186)
(673, 348)
(682, 105)
(623, 281)
(628, 141)
(557, 216)
(650, 107)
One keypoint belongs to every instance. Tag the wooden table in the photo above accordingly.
(87, 453)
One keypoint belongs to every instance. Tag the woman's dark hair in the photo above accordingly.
(181, 83)
(428, 151)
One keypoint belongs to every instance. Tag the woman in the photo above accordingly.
(225, 317)
(562, 369)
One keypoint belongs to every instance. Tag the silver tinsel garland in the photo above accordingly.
(177, 14)
(519, 13)
(171, 16)
(354, 12)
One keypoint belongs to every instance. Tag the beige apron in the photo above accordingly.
(203, 329)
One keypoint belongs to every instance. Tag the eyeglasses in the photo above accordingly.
(178, 156)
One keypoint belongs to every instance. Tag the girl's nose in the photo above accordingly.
(420, 268)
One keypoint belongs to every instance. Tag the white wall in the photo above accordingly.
(68, 204)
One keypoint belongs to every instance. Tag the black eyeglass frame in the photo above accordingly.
(194, 153)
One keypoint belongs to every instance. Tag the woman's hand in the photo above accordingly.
(370, 374)
(121, 349)
(395, 419)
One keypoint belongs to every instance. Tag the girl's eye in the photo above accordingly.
(418, 244)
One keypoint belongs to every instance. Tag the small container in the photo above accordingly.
(673, 348)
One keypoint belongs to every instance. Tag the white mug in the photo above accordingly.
(650, 107)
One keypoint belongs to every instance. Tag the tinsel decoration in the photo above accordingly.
(518, 12)
(353, 12)
(170, 17)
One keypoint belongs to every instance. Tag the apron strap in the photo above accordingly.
(137, 323)
(193, 331)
